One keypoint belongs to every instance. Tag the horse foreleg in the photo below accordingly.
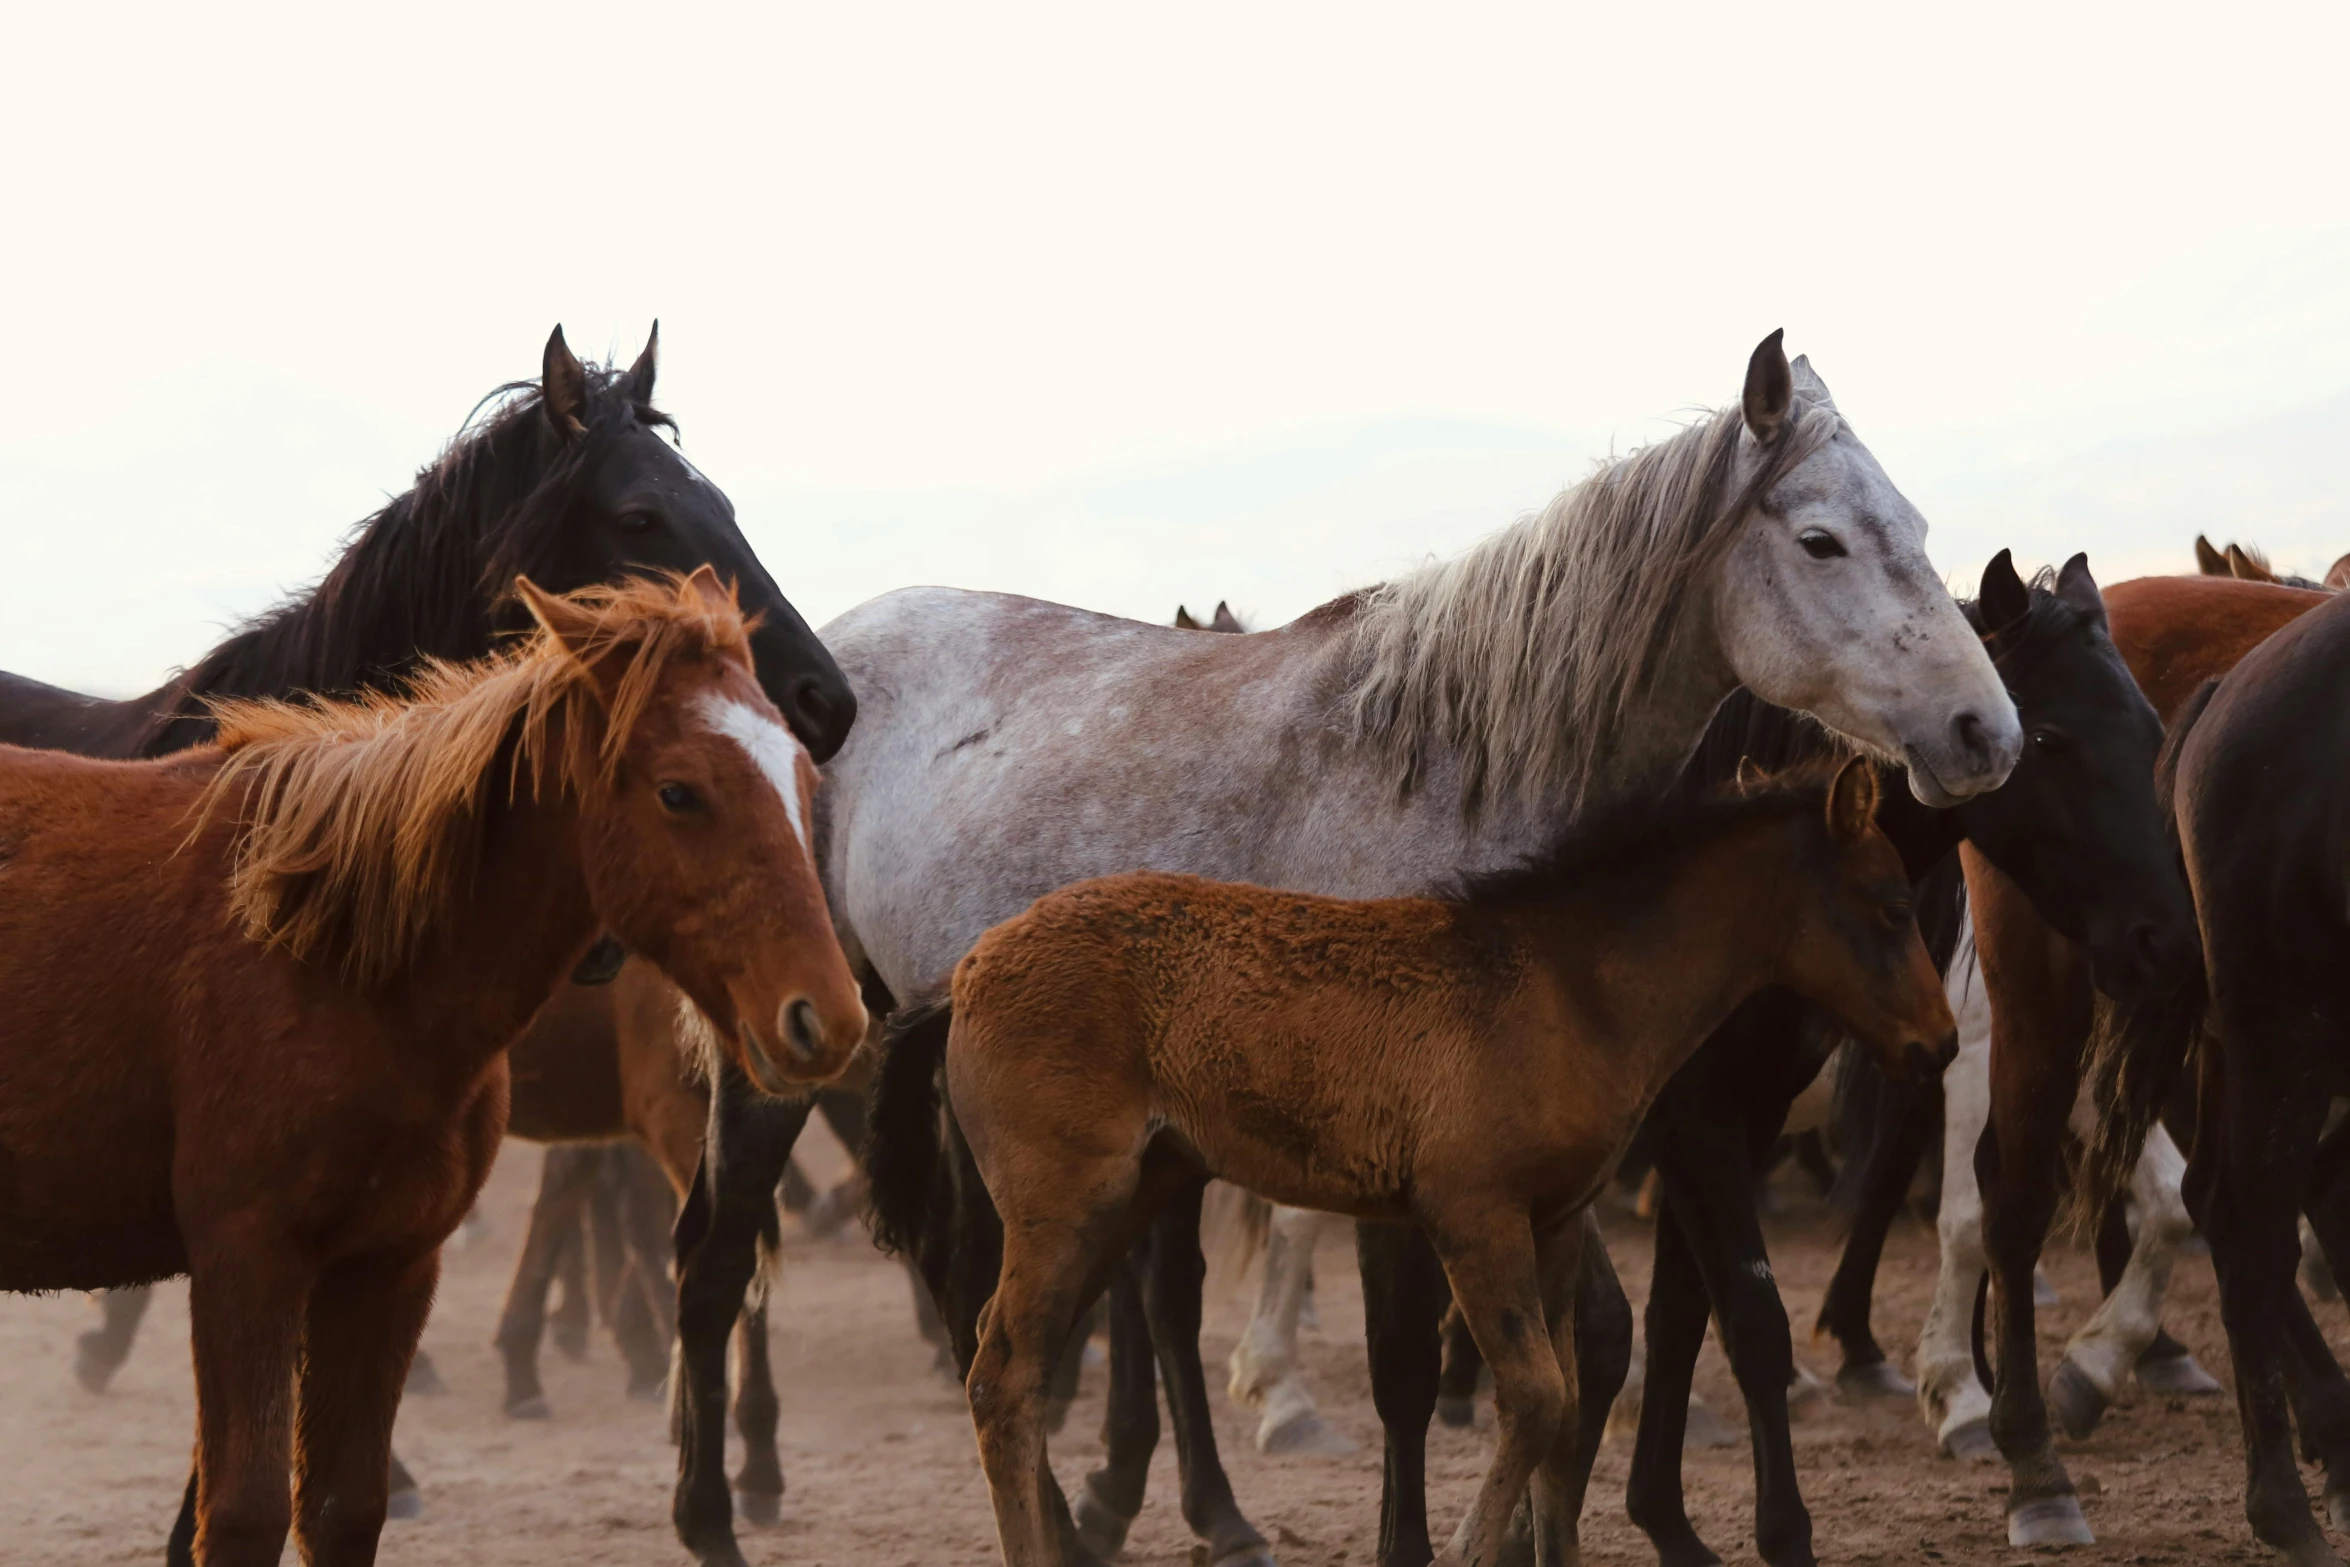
(731, 1207)
(1891, 1163)
(758, 1485)
(565, 1177)
(1950, 1394)
(245, 1305)
(1677, 1311)
(645, 1321)
(363, 1323)
(592, 1265)
(1404, 1296)
(1264, 1364)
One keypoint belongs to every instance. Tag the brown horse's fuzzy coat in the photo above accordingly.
(1474, 1065)
(297, 1121)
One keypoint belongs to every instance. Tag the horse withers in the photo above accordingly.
(340, 914)
(1474, 1064)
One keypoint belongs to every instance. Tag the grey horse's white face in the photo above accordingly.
(1829, 604)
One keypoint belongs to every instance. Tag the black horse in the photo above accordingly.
(2261, 1035)
(568, 480)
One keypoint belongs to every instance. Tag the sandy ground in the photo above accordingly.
(881, 1470)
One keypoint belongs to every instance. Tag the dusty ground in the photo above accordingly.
(881, 1469)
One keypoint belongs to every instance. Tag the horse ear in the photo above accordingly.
(2208, 560)
(1808, 382)
(2338, 574)
(1752, 779)
(568, 623)
(2004, 597)
(562, 386)
(1225, 620)
(2076, 588)
(2248, 566)
(1852, 800)
(637, 385)
(1770, 389)
(1183, 620)
(705, 583)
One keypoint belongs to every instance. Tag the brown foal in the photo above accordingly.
(260, 994)
(1474, 1064)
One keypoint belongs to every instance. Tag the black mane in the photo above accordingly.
(1640, 838)
(412, 578)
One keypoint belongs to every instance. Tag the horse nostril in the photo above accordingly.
(819, 714)
(799, 1029)
(1974, 738)
(1946, 1052)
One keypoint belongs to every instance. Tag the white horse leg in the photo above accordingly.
(1950, 1395)
(1264, 1370)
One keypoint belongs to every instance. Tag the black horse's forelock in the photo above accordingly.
(435, 565)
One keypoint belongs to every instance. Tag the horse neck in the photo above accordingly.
(503, 951)
(1666, 721)
(1652, 973)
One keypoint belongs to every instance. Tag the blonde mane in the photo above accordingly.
(358, 821)
(1527, 653)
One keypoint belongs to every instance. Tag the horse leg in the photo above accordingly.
(1562, 1475)
(2265, 1145)
(2129, 1320)
(758, 1485)
(645, 1321)
(1456, 1382)
(729, 1210)
(2015, 1168)
(1496, 1270)
(99, 1353)
(1677, 1311)
(1264, 1369)
(1130, 1425)
(564, 1181)
(1892, 1162)
(245, 1309)
(1951, 1395)
(593, 1263)
(1174, 1278)
(2328, 1208)
(364, 1319)
(1404, 1296)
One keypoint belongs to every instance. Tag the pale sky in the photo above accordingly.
(1255, 301)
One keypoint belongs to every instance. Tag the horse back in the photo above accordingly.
(2177, 632)
(51, 718)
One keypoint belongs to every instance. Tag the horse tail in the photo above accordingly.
(2137, 1049)
(1234, 1227)
(903, 1135)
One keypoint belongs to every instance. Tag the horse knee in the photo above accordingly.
(1534, 1403)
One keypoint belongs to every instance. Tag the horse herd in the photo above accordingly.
(544, 812)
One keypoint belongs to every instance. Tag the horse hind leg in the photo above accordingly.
(564, 1182)
(99, 1353)
(1113, 1493)
(1951, 1396)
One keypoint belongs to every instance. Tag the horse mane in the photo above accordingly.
(2023, 642)
(1529, 653)
(359, 820)
(413, 575)
(1639, 837)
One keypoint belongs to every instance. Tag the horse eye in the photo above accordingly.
(1897, 916)
(676, 797)
(2048, 739)
(1819, 544)
(637, 521)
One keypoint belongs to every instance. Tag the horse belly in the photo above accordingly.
(96, 1222)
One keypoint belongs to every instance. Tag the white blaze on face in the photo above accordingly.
(775, 749)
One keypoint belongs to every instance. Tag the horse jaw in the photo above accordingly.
(1868, 641)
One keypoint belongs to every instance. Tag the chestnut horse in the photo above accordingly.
(1474, 1064)
(2260, 807)
(340, 914)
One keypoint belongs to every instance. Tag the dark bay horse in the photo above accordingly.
(1457, 719)
(2076, 826)
(340, 913)
(1474, 1065)
(2260, 763)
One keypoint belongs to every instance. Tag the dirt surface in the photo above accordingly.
(881, 1469)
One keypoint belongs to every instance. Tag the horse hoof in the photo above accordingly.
(405, 1505)
(2310, 1551)
(1305, 1434)
(1706, 1429)
(1876, 1379)
(1458, 1413)
(534, 1407)
(93, 1368)
(2052, 1520)
(761, 1509)
(2079, 1402)
(1971, 1441)
(2177, 1377)
(1247, 1554)
(648, 1390)
(572, 1346)
(1101, 1527)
